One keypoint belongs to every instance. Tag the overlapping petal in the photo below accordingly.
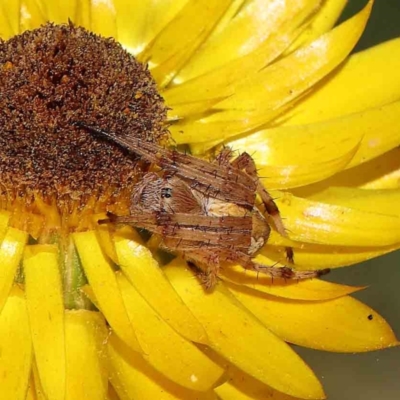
(170, 50)
(236, 335)
(373, 76)
(145, 275)
(137, 29)
(382, 172)
(133, 377)
(322, 22)
(105, 287)
(253, 28)
(303, 290)
(317, 256)
(264, 95)
(317, 222)
(260, 77)
(164, 348)
(241, 386)
(351, 326)
(290, 156)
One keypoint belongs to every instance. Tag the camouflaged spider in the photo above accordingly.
(204, 211)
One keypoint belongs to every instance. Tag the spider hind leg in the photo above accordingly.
(274, 271)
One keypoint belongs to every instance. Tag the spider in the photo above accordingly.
(203, 211)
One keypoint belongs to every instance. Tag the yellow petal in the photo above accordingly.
(383, 172)
(316, 222)
(35, 382)
(15, 347)
(241, 386)
(291, 156)
(102, 280)
(46, 316)
(385, 201)
(314, 256)
(11, 250)
(186, 108)
(83, 13)
(165, 349)
(340, 325)
(311, 289)
(226, 19)
(85, 335)
(144, 273)
(31, 15)
(298, 155)
(58, 11)
(380, 128)
(262, 97)
(168, 52)
(134, 378)
(104, 235)
(238, 336)
(317, 256)
(301, 69)
(200, 94)
(375, 71)
(323, 21)
(31, 394)
(143, 21)
(112, 394)
(103, 18)
(9, 18)
(4, 220)
(253, 25)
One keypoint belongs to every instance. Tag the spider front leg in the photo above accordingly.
(197, 238)
(245, 162)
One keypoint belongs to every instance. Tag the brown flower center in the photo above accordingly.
(51, 77)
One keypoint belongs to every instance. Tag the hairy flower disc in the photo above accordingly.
(51, 78)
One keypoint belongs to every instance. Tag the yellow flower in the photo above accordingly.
(270, 78)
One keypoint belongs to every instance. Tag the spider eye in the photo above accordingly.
(166, 193)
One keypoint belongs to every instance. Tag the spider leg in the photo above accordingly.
(188, 232)
(197, 238)
(145, 220)
(245, 162)
(275, 272)
(217, 181)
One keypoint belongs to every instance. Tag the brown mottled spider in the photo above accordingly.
(204, 211)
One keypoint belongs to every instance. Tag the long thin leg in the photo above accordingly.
(275, 272)
(209, 264)
(207, 245)
(217, 181)
(217, 231)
